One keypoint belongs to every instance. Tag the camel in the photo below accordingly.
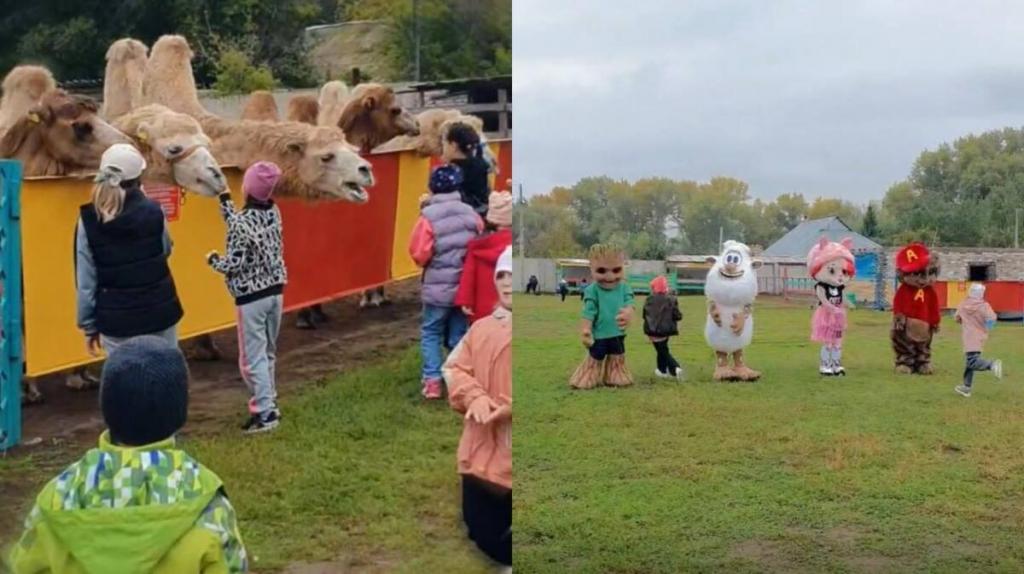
(261, 106)
(303, 109)
(122, 84)
(333, 97)
(372, 116)
(434, 124)
(316, 162)
(61, 134)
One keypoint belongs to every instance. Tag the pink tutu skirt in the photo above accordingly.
(828, 325)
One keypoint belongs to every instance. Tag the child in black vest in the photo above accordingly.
(661, 316)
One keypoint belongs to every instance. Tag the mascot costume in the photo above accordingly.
(731, 288)
(915, 309)
(831, 265)
(607, 312)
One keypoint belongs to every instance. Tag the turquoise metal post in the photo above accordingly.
(10, 304)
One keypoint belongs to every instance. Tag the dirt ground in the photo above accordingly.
(70, 420)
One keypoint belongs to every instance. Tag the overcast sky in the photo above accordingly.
(832, 98)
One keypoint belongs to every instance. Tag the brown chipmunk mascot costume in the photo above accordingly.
(915, 309)
(607, 312)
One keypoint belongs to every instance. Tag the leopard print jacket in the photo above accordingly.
(253, 262)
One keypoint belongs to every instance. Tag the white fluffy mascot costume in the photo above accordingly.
(731, 288)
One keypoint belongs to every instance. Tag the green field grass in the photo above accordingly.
(360, 476)
(795, 473)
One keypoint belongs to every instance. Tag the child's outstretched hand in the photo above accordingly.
(479, 410)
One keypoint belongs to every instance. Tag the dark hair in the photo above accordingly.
(465, 138)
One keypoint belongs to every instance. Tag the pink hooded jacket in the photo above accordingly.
(972, 314)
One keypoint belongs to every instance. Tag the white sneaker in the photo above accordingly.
(997, 369)
(962, 390)
(661, 375)
(680, 374)
(826, 371)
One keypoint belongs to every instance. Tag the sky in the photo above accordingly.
(829, 98)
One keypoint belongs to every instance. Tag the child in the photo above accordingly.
(438, 245)
(479, 374)
(253, 266)
(477, 296)
(976, 318)
(463, 149)
(136, 504)
(661, 315)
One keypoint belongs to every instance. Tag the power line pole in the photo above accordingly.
(1016, 228)
(416, 25)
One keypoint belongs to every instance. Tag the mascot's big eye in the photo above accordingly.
(732, 259)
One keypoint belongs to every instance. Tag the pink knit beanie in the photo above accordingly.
(260, 179)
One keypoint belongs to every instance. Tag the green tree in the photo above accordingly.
(787, 211)
(869, 227)
(236, 74)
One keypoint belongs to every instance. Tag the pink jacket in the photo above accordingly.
(482, 364)
(972, 315)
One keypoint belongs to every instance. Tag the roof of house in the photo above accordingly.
(801, 238)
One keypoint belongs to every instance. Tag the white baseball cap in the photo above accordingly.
(121, 162)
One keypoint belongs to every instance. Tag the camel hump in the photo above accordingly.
(127, 49)
(32, 81)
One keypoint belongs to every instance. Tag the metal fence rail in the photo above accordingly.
(10, 304)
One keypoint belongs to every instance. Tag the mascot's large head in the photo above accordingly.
(607, 265)
(831, 263)
(733, 275)
(916, 266)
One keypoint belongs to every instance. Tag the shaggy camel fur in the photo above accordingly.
(261, 107)
(175, 147)
(333, 97)
(434, 124)
(61, 135)
(372, 116)
(316, 162)
(23, 87)
(168, 80)
(303, 109)
(122, 83)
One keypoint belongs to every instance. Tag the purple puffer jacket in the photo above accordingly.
(454, 224)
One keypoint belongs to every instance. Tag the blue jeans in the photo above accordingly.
(975, 363)
(441, 326)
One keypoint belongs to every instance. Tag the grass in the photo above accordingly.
(361, 474)
(795, 473)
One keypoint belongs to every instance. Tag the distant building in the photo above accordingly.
(800, 239)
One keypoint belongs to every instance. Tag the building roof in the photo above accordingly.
(801, 238)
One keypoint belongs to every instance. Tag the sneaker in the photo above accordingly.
(825, 371)
(661, 375)
(997, 369)
(962, 390)
(262, 422)
(839, 370)
(432, 389)
(680, 374)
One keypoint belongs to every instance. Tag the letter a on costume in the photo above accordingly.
(911, 256)
(919, 296)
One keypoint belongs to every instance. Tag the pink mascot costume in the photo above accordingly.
(831, 266)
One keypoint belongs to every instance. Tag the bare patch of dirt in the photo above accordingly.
(69, 421)
(770, 556)
(342, 566)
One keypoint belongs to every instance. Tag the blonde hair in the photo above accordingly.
(108, 200)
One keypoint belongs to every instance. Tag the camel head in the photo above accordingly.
(326, 165)
(373, 116)
(175, 143)
(66, 128)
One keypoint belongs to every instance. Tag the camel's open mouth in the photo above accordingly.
(352, 191)
(732, 275)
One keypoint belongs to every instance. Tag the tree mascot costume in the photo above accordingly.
(915, 309)
(831, 264)
(607, 312)
(731, 288)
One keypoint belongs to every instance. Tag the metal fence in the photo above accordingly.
(10, 304)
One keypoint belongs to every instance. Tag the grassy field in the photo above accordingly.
(359, 478)
(795, 473)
